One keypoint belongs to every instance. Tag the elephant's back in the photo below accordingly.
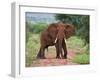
(52, 27)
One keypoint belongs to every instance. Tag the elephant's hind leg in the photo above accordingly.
(40, 54)
(57, 51)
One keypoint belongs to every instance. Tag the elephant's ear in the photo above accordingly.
(69, 30)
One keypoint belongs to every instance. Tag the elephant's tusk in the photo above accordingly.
(65, 40)
(56, 40)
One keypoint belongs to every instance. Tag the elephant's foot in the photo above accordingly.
(65, 57)
(58, 57)
(41, 57)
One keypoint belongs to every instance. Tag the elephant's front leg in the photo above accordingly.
(64, 48)
(57, 51)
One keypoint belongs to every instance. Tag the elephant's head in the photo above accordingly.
(64, 31)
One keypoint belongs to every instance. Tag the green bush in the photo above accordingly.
(75, 42)
(81, 58)
(82, 51)
(32, 48)
(35, 27)
(28, 35)
(39, 27)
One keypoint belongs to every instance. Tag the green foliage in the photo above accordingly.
(36, 27)
(39, 27)
(62, 17)
(75, 42)
(28, 35)
(32, 47)
(81, 23)
(82, 52)
(81, 58)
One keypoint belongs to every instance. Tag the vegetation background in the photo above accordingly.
(37, 22)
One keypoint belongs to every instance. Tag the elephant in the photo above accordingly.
(55, 35)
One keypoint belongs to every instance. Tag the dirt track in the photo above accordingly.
(52, 61)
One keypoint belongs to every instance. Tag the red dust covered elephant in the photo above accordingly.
(55, 35)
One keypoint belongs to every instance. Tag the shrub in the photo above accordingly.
(35, 27)
(32, 47)
(75, 42)
(81, 58)
(39, 27)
